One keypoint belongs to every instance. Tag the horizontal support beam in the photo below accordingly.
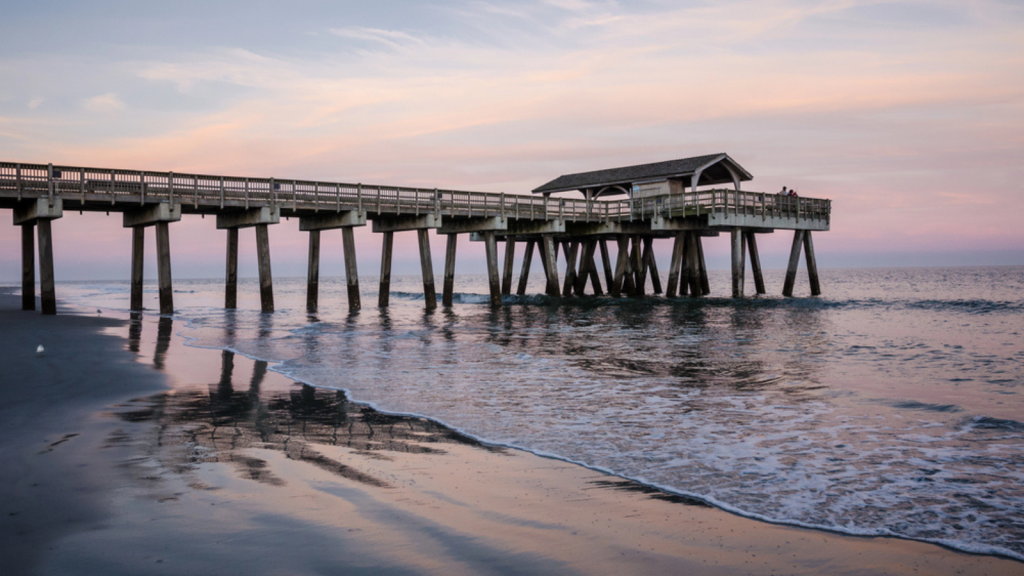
(530, 227)
(660, 223)
(407, 223)
(731, 220)
(248, 218)
(332, 220)
(751, 230)
(607, 228)
(463, 225)
(29, 211)
(151, 214)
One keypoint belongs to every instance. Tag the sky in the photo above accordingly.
(908, 115)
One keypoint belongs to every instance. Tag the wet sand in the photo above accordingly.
(126, 452)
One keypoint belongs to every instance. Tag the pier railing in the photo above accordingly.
(123, 187)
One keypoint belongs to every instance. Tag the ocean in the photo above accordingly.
(891, 405)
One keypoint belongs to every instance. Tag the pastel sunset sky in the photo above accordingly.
(908, 115)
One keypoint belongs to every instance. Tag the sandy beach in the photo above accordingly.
(127, 452)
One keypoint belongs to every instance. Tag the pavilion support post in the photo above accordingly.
(231, 271)
(524, 274)
(606, 264)
(427, 269)
(384, 292)
(652, 265)
(737, 262)
(138, 259)
(812, 265)
(674, 265)
(348, 241)
(491, 249)
(313, 272)
(570, 249)
(755, 262)
(47, 293)
(163, 267)
(702, 266)
(263, 259)
(794, 263)
(551, 265)
(449, 270)
(510, 261)
(28, 266)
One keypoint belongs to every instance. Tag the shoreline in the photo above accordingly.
(405, 502)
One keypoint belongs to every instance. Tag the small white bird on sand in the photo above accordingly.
(39, 349)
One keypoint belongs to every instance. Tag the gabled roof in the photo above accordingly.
(715, 169)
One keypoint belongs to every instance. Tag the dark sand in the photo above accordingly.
(126, 452)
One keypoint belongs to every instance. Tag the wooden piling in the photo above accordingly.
(570, 249)
(702, 265)
(384, 291)
(755, 262)
(231, 271)
(606, 263)
(595, 278)
(687, 273)
(674, 266)
(645, 262)
(427, 269)
(652, 265)
(551, 265)
(348, 242)
(637, 273)
(491, 250)
(47, 292)
(313, 272)
(449, 270)
(138, 260)
(579, 284)
(28, 267)
(263, 259)
(737, 262)
(510, 260)
(524, 274)
(812, 265)
(794, 262)
(693, 265)
(621, 267)
(163, 267)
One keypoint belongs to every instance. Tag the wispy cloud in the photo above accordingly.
(103, 103)
(391, 38)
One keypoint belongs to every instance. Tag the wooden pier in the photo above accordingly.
(663, 201)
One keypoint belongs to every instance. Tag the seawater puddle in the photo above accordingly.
(891, 406)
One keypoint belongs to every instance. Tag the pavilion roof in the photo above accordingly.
(713, 168)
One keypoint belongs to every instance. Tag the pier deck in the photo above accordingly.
(38, 194)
